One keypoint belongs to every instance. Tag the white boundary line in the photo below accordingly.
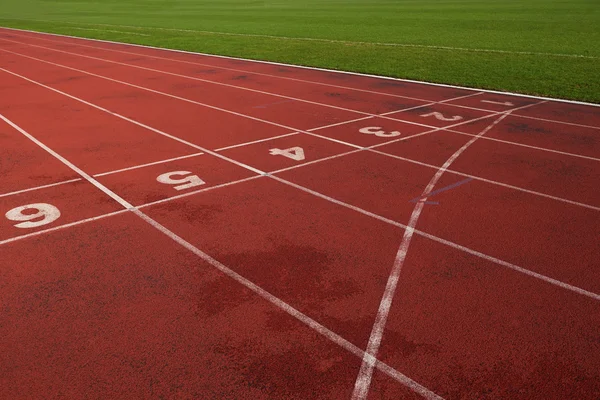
(284, 77)
(363, 380)
(268, 122)
(148, 164)
(283, 306)
(40, 187)
(386, 115)
(311, 68)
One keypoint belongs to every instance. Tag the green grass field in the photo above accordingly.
(542, 47)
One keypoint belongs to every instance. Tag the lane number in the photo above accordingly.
(187, 180)
(33, 215)
(441, 117)
(377, 131)
(295, 153)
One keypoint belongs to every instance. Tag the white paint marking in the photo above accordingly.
(40, 187)
(440, 116)
(148, 164)
(380, 77)
(257, 141)
(107, 30)
(240, 279)
(506, 103)
(363, 381)
(294, 153)
(379, 132)
(448, 243)
(47, 212)
(187, 180)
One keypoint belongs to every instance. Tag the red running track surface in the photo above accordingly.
(177, 225)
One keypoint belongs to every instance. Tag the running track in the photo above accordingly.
(176, 225)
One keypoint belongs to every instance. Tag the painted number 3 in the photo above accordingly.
(33, 215)
(186, 180)
(377, 131)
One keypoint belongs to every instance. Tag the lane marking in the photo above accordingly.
(40, 187)
(363, 381)
(370, 148)
(448, 243)
(311, 39)
(383, 115)
(287, 308)
(444, 85)
(148, 164)
(294, 79)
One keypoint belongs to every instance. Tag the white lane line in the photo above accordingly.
(317, 327)
(383, 115)
(293, 79)
(332, 336)
(497, 183)
(60, 227)
(363, 381)
(352, 145)
(258, 141)
(148, 164)
(202, 149)
(309, 132)
(448, 243)
(528, 146)
(79, 171)
(40, 187)
(323, 40)
(377, 77)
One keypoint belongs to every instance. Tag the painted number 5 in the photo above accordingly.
(185, 182)
(33, 215)
(375, 130)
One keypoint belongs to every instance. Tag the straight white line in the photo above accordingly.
(383, 115)
(60, 227)
(258, 141)
(332, 336)
(448, 243)
(550, 280)
(261, 172)
(40, 187)
(310, 39)
(148, 164)
(290, 78)
(83, 174)
(134, 121)
(363, 380)
(528, 146)
(479, 178)
(307, 67)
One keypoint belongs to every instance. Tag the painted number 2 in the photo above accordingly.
(186, 180)
(33, 215)
(441, 117)
(375, 130)
(295, 153)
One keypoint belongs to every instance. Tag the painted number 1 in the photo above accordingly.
(33, 215)
(183, 180)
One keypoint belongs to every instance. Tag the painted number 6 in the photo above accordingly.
(43, 214)
(185, 182)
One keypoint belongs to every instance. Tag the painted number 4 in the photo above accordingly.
(295, 153)
(33, 215)
(183, 180)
